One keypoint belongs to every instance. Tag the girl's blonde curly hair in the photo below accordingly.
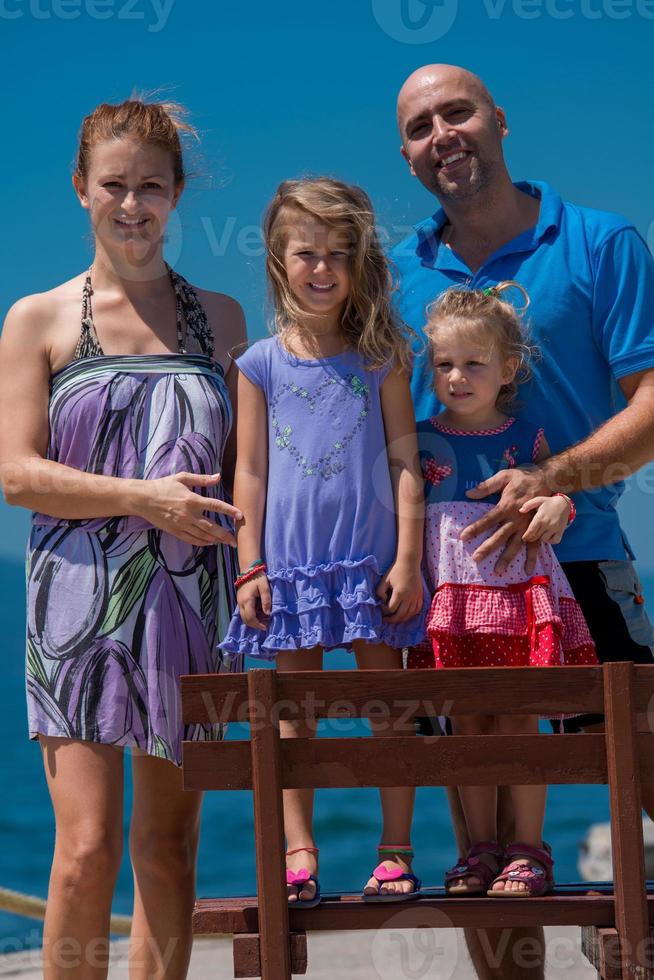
(370, 323)
(491, 321)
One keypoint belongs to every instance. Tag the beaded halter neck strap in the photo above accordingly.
(187, 307)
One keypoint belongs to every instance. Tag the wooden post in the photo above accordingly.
(275, 949)
(631, 918)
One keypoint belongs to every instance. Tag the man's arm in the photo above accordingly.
(613, 452)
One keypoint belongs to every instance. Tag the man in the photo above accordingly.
(590, 279)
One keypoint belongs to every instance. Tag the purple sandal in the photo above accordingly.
(538, 880)
(472, 866)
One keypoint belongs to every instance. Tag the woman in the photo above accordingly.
(114, 413)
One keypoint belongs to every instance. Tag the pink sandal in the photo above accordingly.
(299, 879)
(472, 866)
(538, 880)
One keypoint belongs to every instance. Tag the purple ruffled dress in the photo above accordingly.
(330, 524)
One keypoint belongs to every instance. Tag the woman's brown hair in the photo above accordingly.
(159, 123)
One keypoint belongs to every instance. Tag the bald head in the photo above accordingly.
(453, 81)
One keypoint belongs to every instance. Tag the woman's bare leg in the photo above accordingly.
(85, 781)
(298, 803)
(163, 843)
(397, 801)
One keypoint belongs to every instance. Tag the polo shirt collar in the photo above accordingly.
(438, 256)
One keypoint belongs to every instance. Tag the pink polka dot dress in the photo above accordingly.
(479, 618)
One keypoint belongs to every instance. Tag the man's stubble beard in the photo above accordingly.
(481, 174)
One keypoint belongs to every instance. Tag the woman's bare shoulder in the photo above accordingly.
(41, 319)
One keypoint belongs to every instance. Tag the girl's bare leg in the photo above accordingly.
(85, 781)
(396, 802)
(528, 801)
(479, 803)
(298, 803)
(163, 846)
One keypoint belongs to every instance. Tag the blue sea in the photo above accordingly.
(347, 821)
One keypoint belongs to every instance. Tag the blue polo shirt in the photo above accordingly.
(590, 279)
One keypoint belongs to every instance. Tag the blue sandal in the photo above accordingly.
(382, 874)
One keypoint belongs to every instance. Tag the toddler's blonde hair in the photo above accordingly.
(491, 321)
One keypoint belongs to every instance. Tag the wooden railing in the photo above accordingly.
(270, 941)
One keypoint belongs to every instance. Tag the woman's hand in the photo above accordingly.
(253, 593)
(400, 590)
(170, 504)
(550, 520)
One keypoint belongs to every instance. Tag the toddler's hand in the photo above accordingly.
(550, 520)
(253, 593)
(400, 590)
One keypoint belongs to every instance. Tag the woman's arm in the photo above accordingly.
(30, 480)
(403, 579)
(250, 489)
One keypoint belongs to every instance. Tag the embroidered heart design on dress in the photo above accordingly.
(435, 472)
(331, 462)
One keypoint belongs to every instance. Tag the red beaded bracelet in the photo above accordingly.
(571, 505)
(249, 575)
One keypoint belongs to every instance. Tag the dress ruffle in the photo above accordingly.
(328, 605)
(520, 625)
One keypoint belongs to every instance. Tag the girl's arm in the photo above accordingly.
(552, 513)
(250, 487)
(403, 580)
(30, 480)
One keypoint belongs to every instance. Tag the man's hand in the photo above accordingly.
(517, 487)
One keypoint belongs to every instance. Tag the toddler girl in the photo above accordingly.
(331, 541)
(479, 617)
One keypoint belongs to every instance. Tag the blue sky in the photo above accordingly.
(279, 90)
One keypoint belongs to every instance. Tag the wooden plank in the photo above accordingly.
(247, 959)
(227, 765)
(643, 690)
(349, 912)
(457, 760)
(601, 947)
(274, 941)
(212, 698)
(224, 697)
(631, 919)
